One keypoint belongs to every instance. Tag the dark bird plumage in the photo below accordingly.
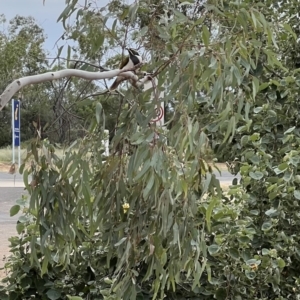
(128, 63)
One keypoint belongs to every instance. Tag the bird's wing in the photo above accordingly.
(116, 83)
(124, 62)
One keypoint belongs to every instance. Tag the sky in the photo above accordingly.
(45, 15)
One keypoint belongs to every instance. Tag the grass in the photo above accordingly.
(6, 157)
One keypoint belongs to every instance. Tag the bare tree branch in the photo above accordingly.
(17, 84)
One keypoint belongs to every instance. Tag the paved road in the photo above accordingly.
(9, 180)
(8, 197)
(226, 177)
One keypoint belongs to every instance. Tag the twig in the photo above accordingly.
(76, 101)
(69, 113)
(80, 61)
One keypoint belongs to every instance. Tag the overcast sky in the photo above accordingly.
(46, 15)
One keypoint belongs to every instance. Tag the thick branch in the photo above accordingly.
(17, 84)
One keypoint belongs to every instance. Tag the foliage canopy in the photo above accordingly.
(150, 221)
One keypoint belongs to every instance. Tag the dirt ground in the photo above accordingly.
(4, 167)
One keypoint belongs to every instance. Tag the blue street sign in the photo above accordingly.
(16, 122)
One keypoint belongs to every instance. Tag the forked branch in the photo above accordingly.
(17, 84)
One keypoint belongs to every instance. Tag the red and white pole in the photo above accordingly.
(159, 119)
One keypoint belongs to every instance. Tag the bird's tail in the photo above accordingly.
(116, 83)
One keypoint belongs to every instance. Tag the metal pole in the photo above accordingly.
(160, 109)
(13, 130)
(19, 158)
(159, 119)
(19, 148)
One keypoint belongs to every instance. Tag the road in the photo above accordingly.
(8, 197)
(226, 177)
(8, 180)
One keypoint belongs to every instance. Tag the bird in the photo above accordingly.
(128, 63)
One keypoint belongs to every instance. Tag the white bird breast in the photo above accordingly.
(140, 58)
(130, 64)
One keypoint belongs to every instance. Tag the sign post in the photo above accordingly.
(159, 120)
(16, 133)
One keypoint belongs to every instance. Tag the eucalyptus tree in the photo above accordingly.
(150, 221)
(21, 50)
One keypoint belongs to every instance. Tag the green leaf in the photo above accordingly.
(234, 253)
(266, 226)
(265, 251)
(144, 30)
(69, 56)
(20, 227)
(132, 13)
(250, 274)
(254, 19)
(244, 140)
(281, 263)
(283, 166)
(271, 212)
(254, 212)
(121, 241)
(181, 17)
(297, 194)
(21, 169)
(288, 27)
(44, 265)
(252, 261)
(149, 186)
(97, 42)
(4, 296)
(213, 249)
(290, 130)
(205, 35)
(14, 210)
(176, 238)
(53, 294)
(263, 86)
(256, 175)
(255, 87)
(98, 112)
(257, 110)
(25, 179)
(74, 297)
(209, 212)
(243, 239)
(113, 28)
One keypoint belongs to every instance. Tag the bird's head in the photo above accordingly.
(132, 52)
